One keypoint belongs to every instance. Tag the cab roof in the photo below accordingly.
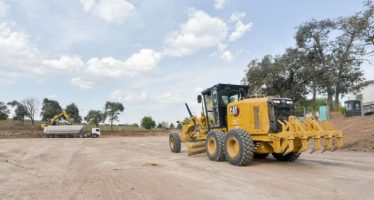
(221, 86)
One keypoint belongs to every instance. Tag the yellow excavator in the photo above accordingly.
(235, 128)
(55, 119)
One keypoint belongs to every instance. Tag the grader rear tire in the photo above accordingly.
(215, 145)
(175, 142)
(239, 147)
(291, 157)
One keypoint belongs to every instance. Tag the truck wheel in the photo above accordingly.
(291, 157)
(215, 145)
(239, 147)
(175, 142)
(260, 155)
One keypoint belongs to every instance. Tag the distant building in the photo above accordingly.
(366, 96)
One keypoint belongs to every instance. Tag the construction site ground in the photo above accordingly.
(144, 168)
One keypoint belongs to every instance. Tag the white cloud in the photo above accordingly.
(112, 11)
(227, 56)
(169, 98)
(144, 60)
(236, 16)
(82, 82)
(200, 31)
(219, 4)
(65, 63)
(133, 96)
(96, 70)
(18, 56)
(240, 30)
(198, 89)
(4, 8)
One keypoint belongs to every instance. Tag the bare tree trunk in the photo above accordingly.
(337, 104)
(314, 99)
(329, 100)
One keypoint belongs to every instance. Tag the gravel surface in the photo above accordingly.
(144, 168)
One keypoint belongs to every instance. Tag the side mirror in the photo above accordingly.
(199, 99)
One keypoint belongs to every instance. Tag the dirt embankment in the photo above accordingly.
(358, 132)
(20, 131)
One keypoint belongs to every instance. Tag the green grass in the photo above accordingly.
(87, 127)
(10, 122)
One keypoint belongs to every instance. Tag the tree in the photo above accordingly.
(134, 125)
(159, 125)
(282, 75)
(73, 112)
(172, 126)
(50, 108)
(112, 111)
(368, 34)
(313, 37)
(179, 126)
(4, 112)
(148, 123)
(32, 106)
(347, 53)
(165, 124)
(20, 111)
(335, 51)
(94, 117)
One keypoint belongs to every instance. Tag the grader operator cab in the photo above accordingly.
(235, 128)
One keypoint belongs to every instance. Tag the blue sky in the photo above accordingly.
(150, 55)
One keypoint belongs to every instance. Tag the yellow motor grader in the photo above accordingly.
(235, 128)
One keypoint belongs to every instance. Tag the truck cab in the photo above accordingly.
(95, 132)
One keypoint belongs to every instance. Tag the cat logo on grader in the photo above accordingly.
(238, 129)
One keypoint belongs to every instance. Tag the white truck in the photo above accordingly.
(69, 131)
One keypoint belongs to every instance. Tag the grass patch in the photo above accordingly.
(86, 128)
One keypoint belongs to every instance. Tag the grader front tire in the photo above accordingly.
(291, 157)
(215, 145)
(175, 142)
(239, 147)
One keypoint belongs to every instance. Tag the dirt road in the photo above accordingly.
(144, 168)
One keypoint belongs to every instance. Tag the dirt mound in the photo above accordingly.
(358, 132)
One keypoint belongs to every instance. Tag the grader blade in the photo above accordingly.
(194, 148)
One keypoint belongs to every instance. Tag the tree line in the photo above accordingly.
(326, 61)
(28, 109)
